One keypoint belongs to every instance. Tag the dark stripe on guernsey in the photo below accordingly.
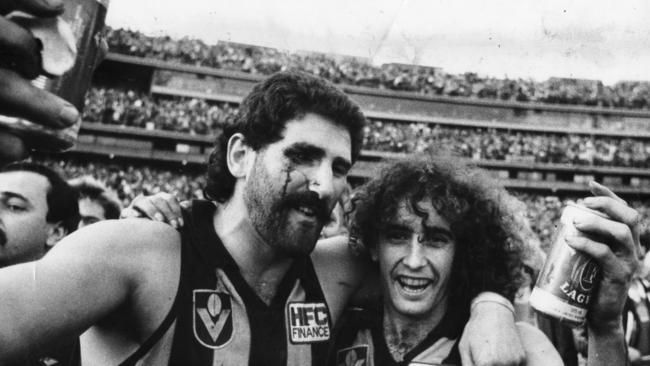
(258, 331)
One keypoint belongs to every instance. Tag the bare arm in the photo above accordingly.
(539, 350)
(339, 271)
(83, 279)
(606, 347)
(490, 337)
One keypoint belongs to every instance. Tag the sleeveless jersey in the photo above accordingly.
(219, 320)
(360, 341)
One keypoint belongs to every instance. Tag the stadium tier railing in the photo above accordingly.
(383, 105)
(394, 94)
(225, 85)
(155, 146)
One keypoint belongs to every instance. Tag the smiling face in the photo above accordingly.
(294, 183)
(415, 253)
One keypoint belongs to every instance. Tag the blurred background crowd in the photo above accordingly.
(496, 144)
(200, 117)
(129, 180)
(130, 108)
(360, 72)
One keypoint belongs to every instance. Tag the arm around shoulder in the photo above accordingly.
(82, 279)
(490, 336)
(340, 271)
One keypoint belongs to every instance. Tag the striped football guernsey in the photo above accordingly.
(360, 341)
(217, 318)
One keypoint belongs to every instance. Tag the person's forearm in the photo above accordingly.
(492, 297)
(490, 336)
(607, 347)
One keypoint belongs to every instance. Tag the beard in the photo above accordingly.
(271, 211)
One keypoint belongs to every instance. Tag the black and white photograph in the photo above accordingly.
(326, 183)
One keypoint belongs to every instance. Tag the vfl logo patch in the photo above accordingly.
(353, 356)
(212, 318)
(308, 322)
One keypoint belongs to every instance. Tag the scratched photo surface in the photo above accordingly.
(546, 96)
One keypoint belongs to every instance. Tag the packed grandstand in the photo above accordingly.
(129, 106)
(197, 116)
(358, 71)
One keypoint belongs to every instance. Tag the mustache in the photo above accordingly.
(308, 199)
(3, 238)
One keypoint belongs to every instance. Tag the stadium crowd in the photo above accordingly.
(495, 144)
(130, 108)
(272, 179)
(196, 116)
(128, 181)
(356, 71)
(543, 212)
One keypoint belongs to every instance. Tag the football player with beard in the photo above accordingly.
(242, 282)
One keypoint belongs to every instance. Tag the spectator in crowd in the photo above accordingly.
(96, 202)
(129, 180)
(356, 71)
(196, 116)
(542, 211)
(128, 108)
(493, 144)
(38, 209)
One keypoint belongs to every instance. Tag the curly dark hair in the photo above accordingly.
(488, 254)
(264, 113)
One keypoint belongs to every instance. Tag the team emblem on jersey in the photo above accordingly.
(353, 356)
(212, 318)
(308, 322)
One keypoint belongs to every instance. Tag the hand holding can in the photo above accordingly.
(566, 283)
(611, 239)
(618, 255)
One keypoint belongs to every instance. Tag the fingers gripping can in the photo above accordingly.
(73, 44)
(565, 285)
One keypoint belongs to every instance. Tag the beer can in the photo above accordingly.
(565, 285)
(73, 44)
